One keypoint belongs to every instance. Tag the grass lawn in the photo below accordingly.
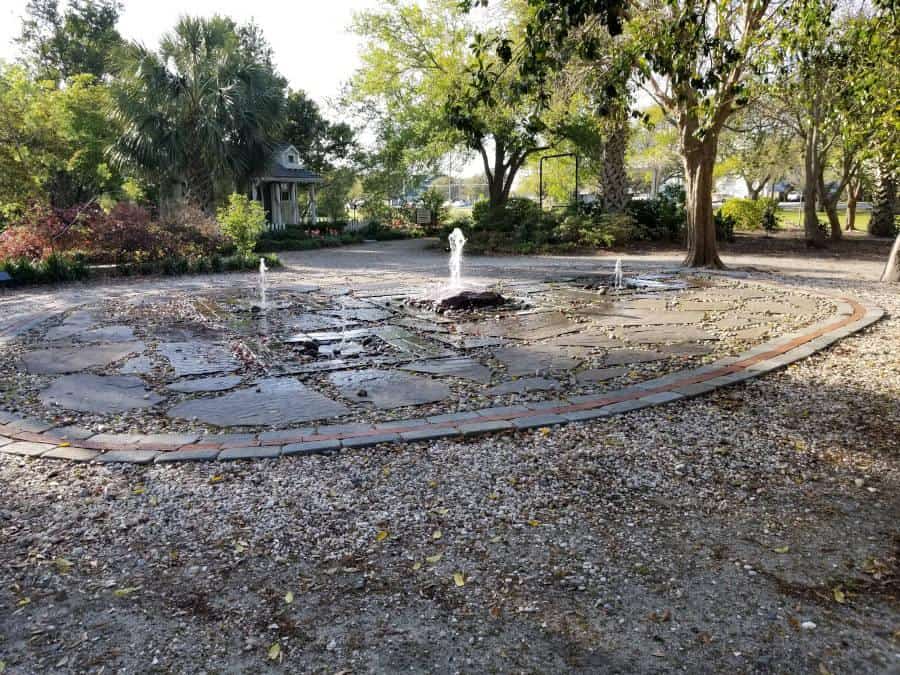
(791, 219)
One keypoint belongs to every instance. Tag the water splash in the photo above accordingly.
(617, 276)
(457, 242)
(263, 283)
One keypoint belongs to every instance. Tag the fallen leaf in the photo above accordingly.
(124, 592)
(417, 566)
(459, 579)
(23, 602)
(437, 535)
(434, 559)
(839, 595)
(493, 496)
(139, 490)
(545, 431)
(64, 444)
(62, 565)
(381, 536)
(782, 549)
(534, 523)
(275, 652)
(495, 612)
(217, 479)
(154, 501)
(289, 597)
(2, 666)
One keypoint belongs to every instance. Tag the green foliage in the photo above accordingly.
(243, 220)
(751, 214)
(79, 40)
(53, 141)
(660, 219)
(602, 231)
(319, 142)
(434, 202)
(202, 112)
(55, 268)
(724, 226)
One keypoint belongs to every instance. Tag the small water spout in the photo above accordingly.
(263, 283)
(457, 242)
(617, 276)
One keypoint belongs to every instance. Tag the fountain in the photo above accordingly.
(454, 296)
(263, 283)
(457, 242)
(617, 280)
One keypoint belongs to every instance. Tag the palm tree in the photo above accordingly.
(202, 112)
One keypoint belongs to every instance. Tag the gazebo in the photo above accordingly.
(278, 188)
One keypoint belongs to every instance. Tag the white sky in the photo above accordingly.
(313, 48)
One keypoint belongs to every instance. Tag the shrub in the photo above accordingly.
(193, 231)
(243, 221)
(750, 214)
(55, 268)
(601, 230)
(434, 202)
(724, 226)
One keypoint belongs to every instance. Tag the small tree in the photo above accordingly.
(243, 220)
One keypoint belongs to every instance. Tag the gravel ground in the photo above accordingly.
(752, 530)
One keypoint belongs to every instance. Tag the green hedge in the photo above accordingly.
(59, 268)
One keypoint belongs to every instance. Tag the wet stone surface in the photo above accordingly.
(75, 359)
(363, 349)
(99, 393)
(272, 402)
(389, 389)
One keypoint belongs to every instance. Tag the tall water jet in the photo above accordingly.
(617, 275)
(457, 242)
(263, 283)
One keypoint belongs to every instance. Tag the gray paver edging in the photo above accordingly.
(30, 437)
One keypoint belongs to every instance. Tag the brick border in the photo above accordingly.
(32, 437)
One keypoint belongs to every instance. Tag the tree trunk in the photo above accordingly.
(883, 200)
(614, 177)
(814, 236)
(892, 269)
(854, 190)
(699, 161)
(829, 202)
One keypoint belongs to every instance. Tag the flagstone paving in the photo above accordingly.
(364, 364)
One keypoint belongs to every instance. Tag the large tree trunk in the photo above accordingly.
(883, 200)
(699, 162)
(811, 169)
(753, 191)
(829, 202)
(892, 269)
(614, 177)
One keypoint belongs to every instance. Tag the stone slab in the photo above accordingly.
(429, 434)
(108, 394)
(536, 421)
(60, 360)
(271, 402)
(128, 456)
(72, 454)
(462, 367)
(27, 448)
(408, 342)
(253, 452)
(310, 448)
(620, 357)
(206, 385)
(474, 428)
(144, 441)
(530, 360)
(196, 357)
(187, 455)
(386, 389)
(368, 441)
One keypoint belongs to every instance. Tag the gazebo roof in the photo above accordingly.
(289, 175)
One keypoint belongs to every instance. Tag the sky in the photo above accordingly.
(313, 48)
